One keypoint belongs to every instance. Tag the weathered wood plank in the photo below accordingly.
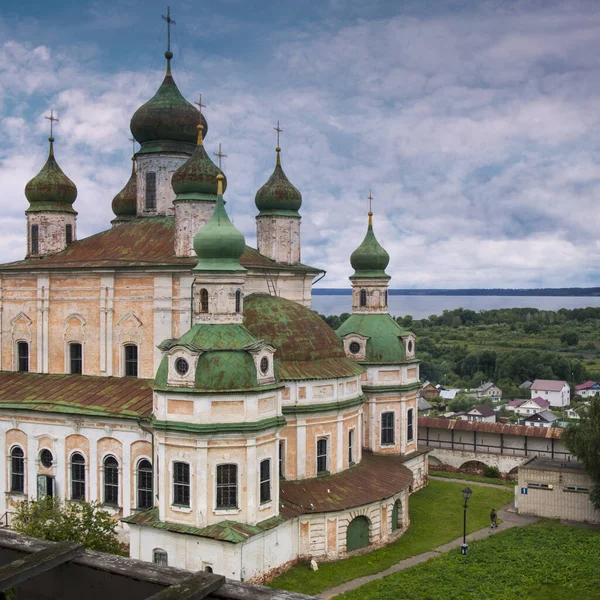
(196, 587)
(22, 569)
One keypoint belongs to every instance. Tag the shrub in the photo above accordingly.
(493, 472)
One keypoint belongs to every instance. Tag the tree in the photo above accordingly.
(583, 440)
(54, 520)
(570, 338)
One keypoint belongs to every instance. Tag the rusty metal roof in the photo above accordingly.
(506, 429)
(142, 242)
(76, 394)
(375, 478)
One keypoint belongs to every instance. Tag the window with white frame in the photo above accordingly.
(387, 428)
(111, 481)
(131, 360)
(144, 484)
(282, 459)
(363, 297)
(160, 557)
(22, 356)
(76, 358)
(77, 476)
(35, 239)
(17, 470)
(150, 191)
(265, 481)
(322, 455)
(410, 429)
(351, 447)
(227, 491)
(181, 484)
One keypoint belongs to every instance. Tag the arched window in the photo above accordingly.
(17, 470)
(77, 476)
(322, 455)
(409, 425)
(144, 484)
(69, 233)
(208, 569)
(351, 447)
(265, 480)
(160, 557)
(76, 358)
(387, 428)
(227, 496)
(23, 356)
(111, 481)
(35, 239)
(238, 301)
(131, 360)
(386, 297)
(150, 191)
(203, 300)
(282, 459)
(397, 516)
(363, 297)
(181, 484)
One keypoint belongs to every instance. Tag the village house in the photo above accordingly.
(528, 407)
(558, 393)
(589, 389)
(482, 413)
(489, 390)
(544, 418)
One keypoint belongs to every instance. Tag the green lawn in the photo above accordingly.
(436, 516)
(478, 478)
(546, 561)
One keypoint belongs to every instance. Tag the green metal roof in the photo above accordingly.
(124, 204)
(278, 196)
(385, 345)
(226, 531)
(370, 259)
(51, 190)
(213, 337)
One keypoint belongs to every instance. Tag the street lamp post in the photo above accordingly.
(466, 495)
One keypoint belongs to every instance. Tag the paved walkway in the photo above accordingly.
(509, 519)
(452, 480)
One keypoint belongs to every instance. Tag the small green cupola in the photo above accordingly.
(278, 196)
(370, 259)
(124, 204)
(51, 190)
(167, 122)
(196, 179)
(219, 244)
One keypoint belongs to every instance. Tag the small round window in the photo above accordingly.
(46, 458)
(264, 365)
(181, 366)
(410, 346)
(354, 347)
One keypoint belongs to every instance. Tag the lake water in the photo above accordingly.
(420, 307)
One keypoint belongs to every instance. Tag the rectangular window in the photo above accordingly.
(23, 356)
(131, 360)
(409, 425)
(77, 478)
(69, 233)
(150, 191)
(282, 459)
(577, 489)
(181, 484)
(351, 447)
(76, 359)
(227, 486)
(35, 239)
(111, 481)
(540, 486)
(265, 481)
(387, 428)
(322, 455)
(144, 484)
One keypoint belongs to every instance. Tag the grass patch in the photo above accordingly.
(478, 478)
(436, 517)
(512, 564)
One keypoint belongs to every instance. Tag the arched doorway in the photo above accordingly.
(397, 516)
(357, 535)
(473, 467)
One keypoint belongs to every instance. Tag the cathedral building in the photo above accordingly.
(179, 377)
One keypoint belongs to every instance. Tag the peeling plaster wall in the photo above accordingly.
(190, 216)
(52, 235)
(278, 238)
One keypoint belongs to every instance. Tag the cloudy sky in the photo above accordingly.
(476, 124)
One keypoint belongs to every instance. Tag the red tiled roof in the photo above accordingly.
(548, 385)
(76, 394)
(143, 242)
(506, 429)
(375, 478)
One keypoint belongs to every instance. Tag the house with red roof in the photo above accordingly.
(528, 407)
(589, 389)
(557, 393)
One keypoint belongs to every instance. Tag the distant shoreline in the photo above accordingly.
(595, 291)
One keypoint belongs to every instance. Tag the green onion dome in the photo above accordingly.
(167, 122)
(196, 179)
(370, 259)
(278, 195)
(124, 204)
(51, 189)
(219, 245)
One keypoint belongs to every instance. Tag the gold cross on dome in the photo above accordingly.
(169, 23)
(51, 118)
(220, 155)
(278, 130)
(370, 198)
(199, 103)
